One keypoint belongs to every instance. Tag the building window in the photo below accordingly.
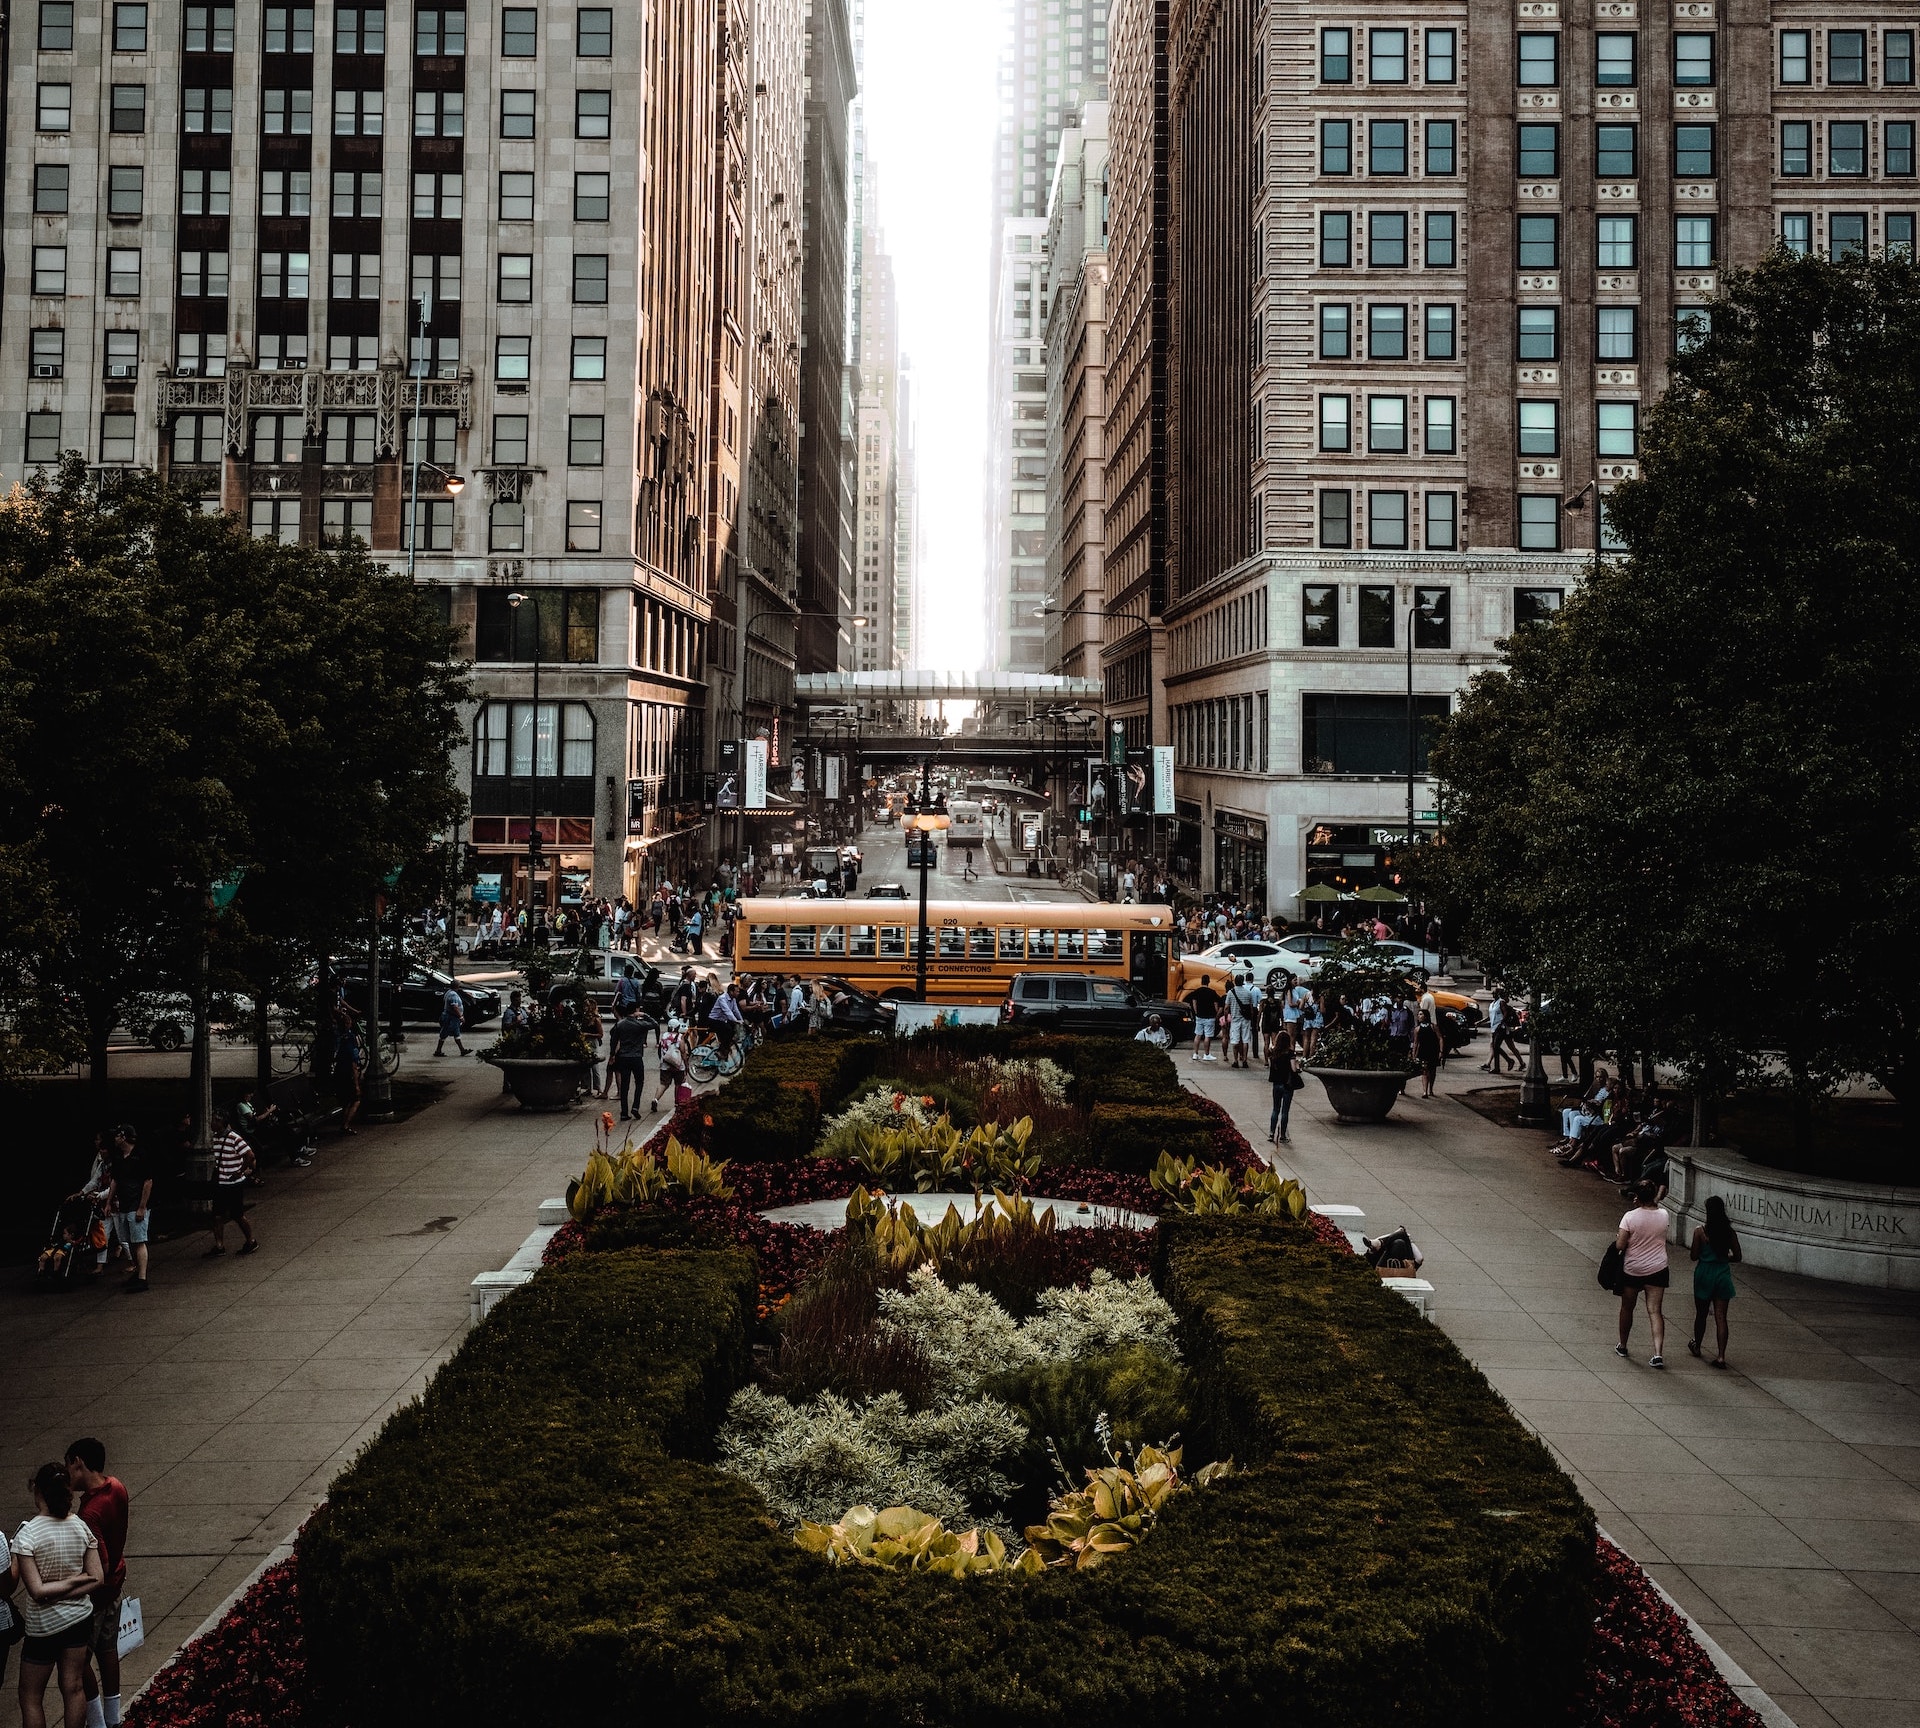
(1536, 605)
(1441, 157)
(590, 279)
(1343, 734)
(126, 191)
(1336, 146)
(435, 441)
(285, 275)
(1539, 333)
(50, 189)
(1846, 235)
(1796, 57)
(360, 31)
(519, 33)
(1336, 531)
(1376, 611)
(1846, 56)
(1440, 60)
(1386, 332)
(128, 112)
(288, 192)
(1616, 333)
(1320, 602)
(43, 437)
(1616, 58)
(1387, 147)
(1616, 152)
(1899, 148)
(1896, 57)
(1336, 417)
(1691, 326)
(280, 353)
(1440, 333)
(47, 353)
(1539, 59)
(356, 113)
(516, 278)
(510, 440)
(516, 197)
(1432, 618)
(209, 30)
(275, 519)
(586, 441)
(56, 26)
(1440, 426)
(1539, 522)
(1796, 232)
(122, 354)
(50, 270)
(1539, 243)
(435, 516)
(592, 197)
(1619, 429)
(1537, 152)
(1386, 56)
(1539, 428)
(509, 744)
(287, 113)
(438, 197)
(277, 437)
(507, 526)
(1387, 521)
(516, 113)
(593, 33)
(1847, 147)
(1387, 239)
(1336, 54)
(289, 30)
(593, 114)
(346, 522)
(439, 114)
(590, 360)
(116, 438)
(1336, 239)
(1335, 332)
(583, 525)
(512, 358)
(1439, 252)
(1796, 147)
(356, 275)
(1443, 532)
(1387, 425)
(206, 192)
(196, 437)
(196, 356)
(1693, 247)
(1900, 234)
(56, 108)
(434, 279)
(349, 437)
(438, 35)
(123, 272)
(1618, 246)
(1693, 57)
(1693, 152)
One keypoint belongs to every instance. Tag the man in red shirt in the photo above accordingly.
(102, 1505)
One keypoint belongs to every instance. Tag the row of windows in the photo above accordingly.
(1616, 57)
(1847, 233)
(1537, 241)
(1227, 732)
(1539, 526)
(511, 740)
(1616, 432)
(952, 942)
(356, 113)
(357, 30)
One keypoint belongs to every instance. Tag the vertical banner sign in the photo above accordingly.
(726, 782)
(833, 779)
(1117, 743)
(1099, 793)
(636, 806)
(756, 797)
(1163, 779)
(1136, 782)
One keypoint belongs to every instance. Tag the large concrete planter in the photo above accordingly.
(543, 1082)
(1818, 1226)
(1361, 1094)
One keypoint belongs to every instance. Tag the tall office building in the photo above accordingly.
(876, 361)
(1427, 274)
(1053, 61)
(906, 530)
(1076, 399)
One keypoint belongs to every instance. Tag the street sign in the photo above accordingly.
(1117, 743)
(1163, 779)
(756, 798)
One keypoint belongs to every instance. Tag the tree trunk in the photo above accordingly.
(97, 1037)
(262, 1041)
(1586, 1070)
(1699, 1115)
(1648, 1077)
(1802, 1124)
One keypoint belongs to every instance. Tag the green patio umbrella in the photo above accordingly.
(1318, 891)
(1382, 893)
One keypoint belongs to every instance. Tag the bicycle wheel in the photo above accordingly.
(390, 1053)
(729, 1065)
(290, 1056)
(704, 1062)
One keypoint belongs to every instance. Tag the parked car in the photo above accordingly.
(421, 992)
(887, 891)
(1084, 1002)
(1265, 960)
(857, 1010)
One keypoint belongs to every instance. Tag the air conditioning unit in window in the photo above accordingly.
(123, 368)
(47, 369)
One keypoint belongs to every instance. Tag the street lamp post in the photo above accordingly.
(1419, 608)
(535, 846)
(924, 820)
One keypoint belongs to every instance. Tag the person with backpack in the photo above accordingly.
(1715, 1251)
(673, 1062)
(1283, 1074)
(1243, 1018)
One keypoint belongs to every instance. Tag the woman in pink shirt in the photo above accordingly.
(1642, 1242)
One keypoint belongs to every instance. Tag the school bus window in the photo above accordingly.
(1105, 944)
(1013, 944)
(1039, 944)
(767, 939)
(893, 942)
(861, 941)
(980, 945)
(800, 939)
(833, 939)
(953, 944)
(1073, 944)
(913, 940)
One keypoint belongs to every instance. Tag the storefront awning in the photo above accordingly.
(646, 842)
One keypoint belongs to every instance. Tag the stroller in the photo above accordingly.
(79, 1230)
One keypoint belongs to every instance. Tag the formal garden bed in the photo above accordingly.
(720, 1469)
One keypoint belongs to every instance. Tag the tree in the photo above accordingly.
(1686, 808)
(184, 701)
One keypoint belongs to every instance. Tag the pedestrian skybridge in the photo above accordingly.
(1036, 687)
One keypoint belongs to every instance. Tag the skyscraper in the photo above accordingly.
(1053, 60)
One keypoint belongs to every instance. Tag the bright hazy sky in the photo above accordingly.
(929, 96)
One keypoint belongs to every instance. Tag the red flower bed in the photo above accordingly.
(248, 1672)
(1645, 1669)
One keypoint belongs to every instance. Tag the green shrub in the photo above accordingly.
(533, 1542)
(1131, 1137)
(771, 1110)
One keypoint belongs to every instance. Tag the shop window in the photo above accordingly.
(1348, 734)
(568, 626)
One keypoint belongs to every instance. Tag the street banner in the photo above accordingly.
(1117, 743)
(1163, 779)
(1136, 782)
(756, 791)
(833, 779)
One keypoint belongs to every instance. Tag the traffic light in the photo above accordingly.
(536, 848)
(469, 862)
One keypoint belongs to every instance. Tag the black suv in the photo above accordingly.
(421, 994)
(1083, 1002)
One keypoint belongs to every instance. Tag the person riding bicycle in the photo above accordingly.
(725, 1018)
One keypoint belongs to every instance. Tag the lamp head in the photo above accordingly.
(514, 600)
(456, 484)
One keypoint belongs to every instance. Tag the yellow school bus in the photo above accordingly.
(973, 947)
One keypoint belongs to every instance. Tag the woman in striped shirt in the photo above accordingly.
(232, 1165)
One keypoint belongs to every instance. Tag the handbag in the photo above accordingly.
(1613, 1269)
(133, 1629)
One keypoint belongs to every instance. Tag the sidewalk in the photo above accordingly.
(1779, 1503)
(232, 1393)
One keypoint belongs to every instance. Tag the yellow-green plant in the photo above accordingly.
(635, 1177)
(902, 1539)
(1116, 1509)
(935, 1156)
(902, 1242)
(1213, 1190)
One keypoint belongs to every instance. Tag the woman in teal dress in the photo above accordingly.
(1715, 1249)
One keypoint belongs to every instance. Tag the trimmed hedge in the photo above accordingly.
(1131, 1137)
(534, 1542)
(772, 1109)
